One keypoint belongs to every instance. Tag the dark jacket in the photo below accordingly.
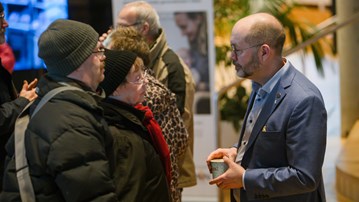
(68, 146)
(139, 175)
(10, 108)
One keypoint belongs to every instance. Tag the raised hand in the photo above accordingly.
(28, 90)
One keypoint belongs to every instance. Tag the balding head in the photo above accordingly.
(260, 28)
(140, 13)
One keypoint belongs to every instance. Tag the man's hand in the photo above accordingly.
(232, 178)
(28, 90)
(231, 153)
(104, 36)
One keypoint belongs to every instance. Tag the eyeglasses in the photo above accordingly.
(130, 25)
(240, 51)
(100, 53)
(140, 79)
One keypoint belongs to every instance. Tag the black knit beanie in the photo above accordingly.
(65, 45)
(117, 66)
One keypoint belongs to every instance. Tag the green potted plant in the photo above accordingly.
(233, 107)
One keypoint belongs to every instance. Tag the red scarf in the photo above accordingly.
(157, 138)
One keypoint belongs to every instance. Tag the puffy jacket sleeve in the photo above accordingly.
(9, 112)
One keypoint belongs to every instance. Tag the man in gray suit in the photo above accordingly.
(281, 149)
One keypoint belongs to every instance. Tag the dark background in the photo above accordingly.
(97, 13)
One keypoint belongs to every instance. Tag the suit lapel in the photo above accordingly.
(273, 101)
(250, 104)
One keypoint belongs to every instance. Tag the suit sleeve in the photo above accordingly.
(305, 140)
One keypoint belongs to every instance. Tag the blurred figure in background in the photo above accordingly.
(11, 104)
(193, 25)
(7, 57)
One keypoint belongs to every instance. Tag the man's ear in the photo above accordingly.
(264, 52)
(145, 28)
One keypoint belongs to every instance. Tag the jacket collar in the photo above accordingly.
(89, 99)
(116, 112)
(272, 103)
(157, 48)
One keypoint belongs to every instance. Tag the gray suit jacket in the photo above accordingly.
(285, 152)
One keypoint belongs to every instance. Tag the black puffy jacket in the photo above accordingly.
(139, 175)
(68, 148)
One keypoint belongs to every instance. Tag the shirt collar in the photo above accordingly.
(269, 85)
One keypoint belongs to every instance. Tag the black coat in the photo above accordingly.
(10, 108)
(68, 146)
(139, 174)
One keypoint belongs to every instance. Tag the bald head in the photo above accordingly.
(260, 28)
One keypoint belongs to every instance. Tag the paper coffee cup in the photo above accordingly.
(218, 167)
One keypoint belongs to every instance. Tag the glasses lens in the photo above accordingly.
(141, 80)
(99, 53)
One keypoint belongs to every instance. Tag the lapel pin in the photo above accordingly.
(264, 129)
(277, 96)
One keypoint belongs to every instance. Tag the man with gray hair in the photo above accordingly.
(68, 143)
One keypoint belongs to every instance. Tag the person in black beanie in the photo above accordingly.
(170, 70)
(11, 104)
(68, 143)
(159, 99)
(140, 150)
